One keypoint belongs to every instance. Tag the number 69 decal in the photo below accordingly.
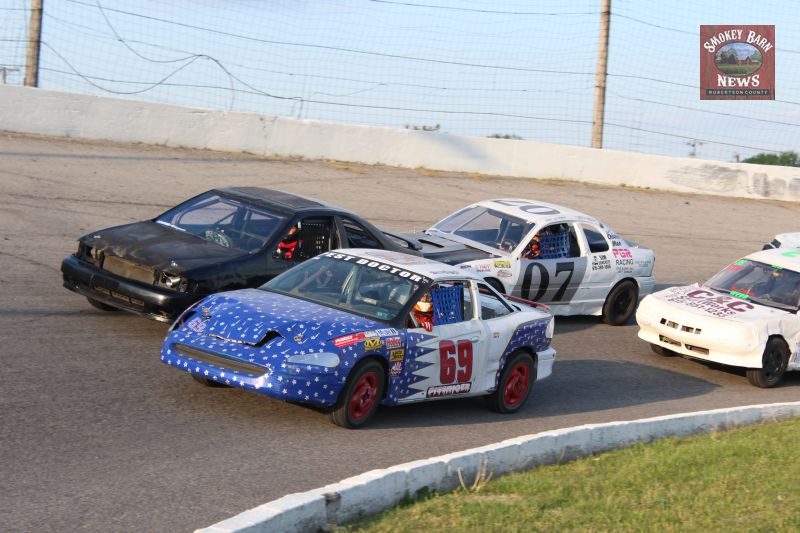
(456, 362)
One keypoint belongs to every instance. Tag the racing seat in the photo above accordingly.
(554, 244)
(448, 304)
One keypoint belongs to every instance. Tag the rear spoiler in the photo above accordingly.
(413, 244)
(531, 303)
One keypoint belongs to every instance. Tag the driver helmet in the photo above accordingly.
(425, 304)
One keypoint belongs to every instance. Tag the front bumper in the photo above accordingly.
(699, 346)
(146, 300)
(280, 381)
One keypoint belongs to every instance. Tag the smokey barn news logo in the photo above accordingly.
(737, 62)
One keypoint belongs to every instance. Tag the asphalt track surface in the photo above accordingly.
(98, 435)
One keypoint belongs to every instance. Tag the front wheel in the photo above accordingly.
(361, 396)
(515, 384)
(773, 365)
(620, 303)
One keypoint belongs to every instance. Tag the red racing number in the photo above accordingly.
(456, 361)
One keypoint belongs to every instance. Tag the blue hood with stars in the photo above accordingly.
(253, 317)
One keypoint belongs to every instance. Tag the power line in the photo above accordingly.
(486, 11)
(343, 49)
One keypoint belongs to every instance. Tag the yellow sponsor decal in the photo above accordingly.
(373, 343)
(397, 355)
(502, 264)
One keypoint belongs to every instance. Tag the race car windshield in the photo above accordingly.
(224, 221)
(347, 285)
(486, 226)
(760, 283)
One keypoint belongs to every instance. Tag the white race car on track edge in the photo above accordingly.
(744, 316)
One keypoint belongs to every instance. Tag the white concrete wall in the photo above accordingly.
(377, 490)
(45, 112)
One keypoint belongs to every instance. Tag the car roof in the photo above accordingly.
(412, 263)
(539, 213)
(283, 201)
(788, 258)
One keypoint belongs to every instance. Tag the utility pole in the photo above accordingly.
(600, 82)
(34, 44)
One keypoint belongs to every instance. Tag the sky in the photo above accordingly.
(515, 69)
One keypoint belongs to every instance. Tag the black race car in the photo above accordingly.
(223, 239)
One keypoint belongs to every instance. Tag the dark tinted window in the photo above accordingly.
(358, 236)
(597, 242)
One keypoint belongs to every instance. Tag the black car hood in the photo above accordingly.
(447, 251)
(160, 247)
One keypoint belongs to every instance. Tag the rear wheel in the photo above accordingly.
(361, 396)
(620, 303)
(515, 384)
(208, 382)
(663, 352)
(100, 305)
(773, 365)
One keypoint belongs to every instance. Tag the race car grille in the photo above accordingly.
(698, 349)
(675, 325)
(128, 269)
(219, 361)
(119, 296)
(667, 340)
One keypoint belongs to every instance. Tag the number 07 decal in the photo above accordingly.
(456, 362)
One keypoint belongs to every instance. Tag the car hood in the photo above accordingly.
(446, 251)
(262, 318)
(161, 247)
(704, 302)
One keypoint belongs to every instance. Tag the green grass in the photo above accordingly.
(742, 480)
(737, 70)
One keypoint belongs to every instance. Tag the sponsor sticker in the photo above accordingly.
(385, 332)
(393, 342)
(197, 324)
(349, 340)
(448, 390)
(374, 343)
(397, 355)
(498, 263)
(709, 302)
(482, 267)
(377, 265)
(396, 368)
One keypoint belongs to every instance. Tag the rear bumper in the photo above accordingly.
(545, 361)
(144, 300)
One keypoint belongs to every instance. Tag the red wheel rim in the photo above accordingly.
(364, 397)
(517, 385)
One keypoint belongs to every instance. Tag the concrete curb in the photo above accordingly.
(377, 490)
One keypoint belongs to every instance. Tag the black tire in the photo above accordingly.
(515, 384)
(208, 382)
(773, 364)
(361, 396)
(621, 303)
(496, 285)
(100, 305)
(663, 352)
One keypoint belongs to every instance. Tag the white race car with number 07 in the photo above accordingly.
(579, 265)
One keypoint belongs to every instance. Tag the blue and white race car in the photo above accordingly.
(352, 329)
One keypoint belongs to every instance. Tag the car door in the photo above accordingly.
(554, 275)
(601, 274)
(451, 355)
